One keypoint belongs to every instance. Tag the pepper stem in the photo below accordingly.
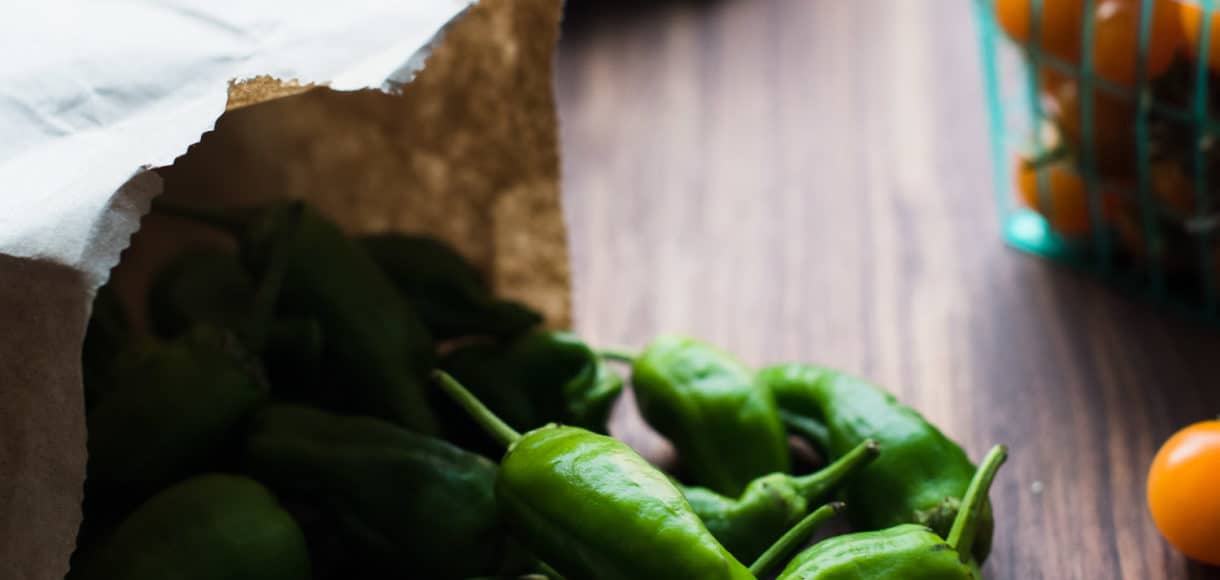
(493, 425)
(617, 355)
(256, 329)
(212, 217)
(816, 484)
(965, 525)
(795, 537)
(549, 572)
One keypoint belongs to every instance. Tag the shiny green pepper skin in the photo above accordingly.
(207, 527)
(449, 293)
(725, 426)
(592, 508)
(174, 406)
(771, 504)
(377, 352)
(904, 552)
(920, 477)
(414, 506)
(542, 377)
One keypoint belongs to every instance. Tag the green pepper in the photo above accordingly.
(449, 293)
(724, 425)
(207, 527)
(376, 349)
(202, 285)
(590, 507)
(209, 285)
(590, 406)
(105, 337)
(542, 377)
(905, 551)
(173, 410)
(174, 407)
(414, 506)
(771, 504)
(922, 474)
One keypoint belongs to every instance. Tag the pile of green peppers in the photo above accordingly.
(308, 404)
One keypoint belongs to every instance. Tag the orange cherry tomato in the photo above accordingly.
(1067, 210)
(1060, 25)
(1176, 251)
(1184, 491)
(1190, 13)
(1116, 33)
(1124, 218)
(1116, 39)
(1171, 187)
(1113, 135)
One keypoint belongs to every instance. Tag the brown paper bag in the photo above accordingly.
(467, 151)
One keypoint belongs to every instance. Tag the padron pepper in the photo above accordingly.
(415, 506)
(539, 378)
(590, 507)
(905, 551)
(772, 504)
(919, 479)
(175, 405)
(725, 426)
(449, 293)
(199, 285)
(376, 348)
(203, 528)
(175, 409)
(209, 285)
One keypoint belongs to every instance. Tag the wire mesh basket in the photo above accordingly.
(1103, 139)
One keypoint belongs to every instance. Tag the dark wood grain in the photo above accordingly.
(809, 180)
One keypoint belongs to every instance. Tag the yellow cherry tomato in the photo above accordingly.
(1116, 39)
(1184, 491)
(1068, 207)
(1113, 136)
(1190, 13)
(1172, 187)
(1060, 27)
(1116, 33)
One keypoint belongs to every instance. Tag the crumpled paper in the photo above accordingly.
(456, 139)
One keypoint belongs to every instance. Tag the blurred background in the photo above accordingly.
(812, 180)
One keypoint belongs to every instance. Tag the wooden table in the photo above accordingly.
(810, 180)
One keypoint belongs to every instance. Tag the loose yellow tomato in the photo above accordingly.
(1190, 13)
(1068, 207)
(1060, 30)
(1116, 37)
(1183, 494)
(1113, 135)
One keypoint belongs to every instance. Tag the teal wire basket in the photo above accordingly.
(1102, 140)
